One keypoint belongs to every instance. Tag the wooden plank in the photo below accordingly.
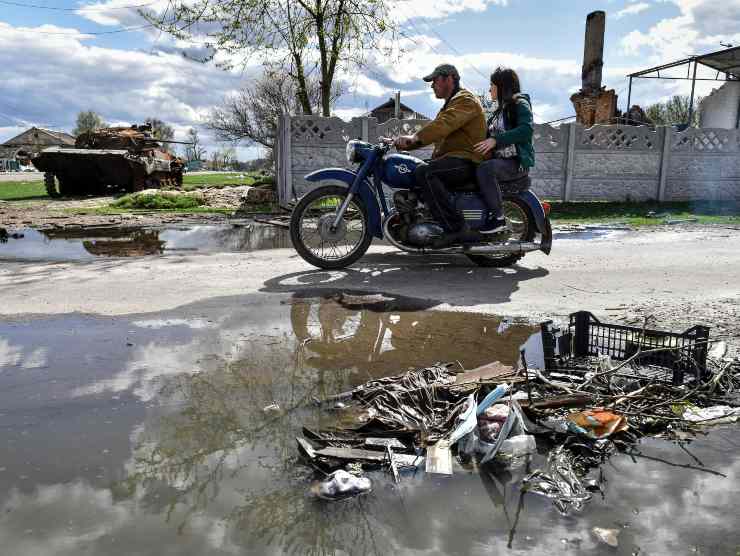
(484, 372)
(352, 454)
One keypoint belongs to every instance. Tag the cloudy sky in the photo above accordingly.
(62, 56)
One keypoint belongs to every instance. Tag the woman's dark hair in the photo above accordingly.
(507, 85)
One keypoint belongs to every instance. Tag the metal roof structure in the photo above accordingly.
(725, 61)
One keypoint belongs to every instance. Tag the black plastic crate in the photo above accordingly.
(588, 336)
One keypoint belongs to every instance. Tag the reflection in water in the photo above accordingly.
(222, 435)
(121, 241)
(164, 446)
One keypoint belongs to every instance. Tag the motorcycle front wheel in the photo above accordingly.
(520, 220)
(311, 228)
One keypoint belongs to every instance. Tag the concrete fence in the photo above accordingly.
(573, 163)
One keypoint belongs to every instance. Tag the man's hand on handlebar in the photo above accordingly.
(406, 142)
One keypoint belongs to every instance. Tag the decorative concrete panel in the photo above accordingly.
(706, 141)
(547, 188)
(547, 138)
(313, 130)
(694, 166)
(547, 164)
(609, 162)
(618, 138)
(611, 189)
(707, 190)
(308, 159)
(616, 165)
(730, 166)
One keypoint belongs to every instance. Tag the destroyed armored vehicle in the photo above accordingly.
(120, 158)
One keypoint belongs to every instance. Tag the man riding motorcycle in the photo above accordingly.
(457, 128)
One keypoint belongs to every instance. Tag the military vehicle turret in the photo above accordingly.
(119, 158)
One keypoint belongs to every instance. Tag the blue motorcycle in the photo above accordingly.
(333, 225)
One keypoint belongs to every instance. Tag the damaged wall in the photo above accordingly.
(573, 162)
(720, 108)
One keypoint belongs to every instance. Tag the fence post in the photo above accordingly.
(664, 160)
(570, 156)
(284, 157)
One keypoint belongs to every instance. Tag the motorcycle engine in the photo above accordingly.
(417, 227)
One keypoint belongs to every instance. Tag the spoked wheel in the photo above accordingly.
(521, 223)
(311, 228)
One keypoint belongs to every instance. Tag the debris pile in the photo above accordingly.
(576, 409)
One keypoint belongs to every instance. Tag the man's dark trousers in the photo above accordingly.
(436, 179)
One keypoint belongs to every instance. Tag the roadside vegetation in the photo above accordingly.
(156, 201)
(34, 190)
(649, 213)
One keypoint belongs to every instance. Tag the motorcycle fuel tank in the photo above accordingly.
(398, 170)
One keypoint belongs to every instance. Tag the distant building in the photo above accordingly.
(720, 109)
(387, 111)
(19, 150)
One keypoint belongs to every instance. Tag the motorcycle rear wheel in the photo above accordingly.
(315, 242)
(520, 221)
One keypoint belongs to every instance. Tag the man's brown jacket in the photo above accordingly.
(457, 128)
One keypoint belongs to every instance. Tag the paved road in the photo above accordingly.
(686, 276)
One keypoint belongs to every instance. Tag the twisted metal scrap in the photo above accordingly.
(559, 482)
(418, 400)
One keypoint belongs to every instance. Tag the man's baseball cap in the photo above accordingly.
(443, 70)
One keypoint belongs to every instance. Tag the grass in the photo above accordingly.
(636, 214)
(191, 182)
(32, 190)
(22, 190)
(155, 201)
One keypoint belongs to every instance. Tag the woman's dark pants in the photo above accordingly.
(490, 173)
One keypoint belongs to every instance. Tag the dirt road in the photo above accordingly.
(682, 277)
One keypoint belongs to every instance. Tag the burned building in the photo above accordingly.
(18, 151)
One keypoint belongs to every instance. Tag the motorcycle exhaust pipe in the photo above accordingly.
(517, 247)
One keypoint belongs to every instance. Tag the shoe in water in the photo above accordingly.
(494, 226)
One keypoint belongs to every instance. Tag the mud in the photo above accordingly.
(146, 434)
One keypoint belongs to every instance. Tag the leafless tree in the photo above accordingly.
(305, 37)
(251, 115)
(195, 150)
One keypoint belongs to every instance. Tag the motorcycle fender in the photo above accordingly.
(365, 192)
(540, 218)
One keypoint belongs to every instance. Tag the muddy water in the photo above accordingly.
(147, 435)
(88, 243)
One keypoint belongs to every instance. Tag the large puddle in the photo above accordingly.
(148, 435)
(88, 243)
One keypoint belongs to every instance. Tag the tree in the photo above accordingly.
(195, 150)
(674, 111)
(302, 36)
(252, 114)
(88, 121)
(160, 130)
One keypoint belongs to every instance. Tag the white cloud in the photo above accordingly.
(438, 9)
(632, 9)
(121, 85)
(699, 27)
(119, 12)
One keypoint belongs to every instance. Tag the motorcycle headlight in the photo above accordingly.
(351, 151)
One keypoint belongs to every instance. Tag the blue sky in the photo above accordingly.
(51, 70)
